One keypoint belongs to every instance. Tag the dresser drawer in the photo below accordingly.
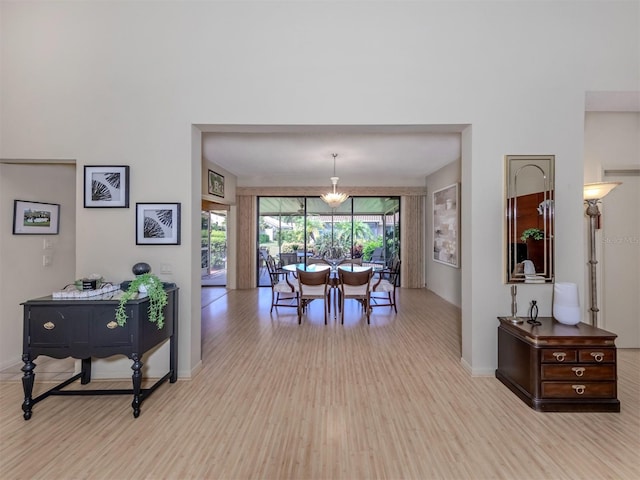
(578, 390)
(559, 355)
(55, 327)
(577, 371)
(49, 327)
(597, 355)
(104, 331)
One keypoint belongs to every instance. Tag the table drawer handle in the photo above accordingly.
(579, 371)
(597, 356)
(559, 356)
(49, 325)
(579, 389)
(112, 324)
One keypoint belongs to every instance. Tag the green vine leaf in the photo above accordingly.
(155, 292)
(534, 233)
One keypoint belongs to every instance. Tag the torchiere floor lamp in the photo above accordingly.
(594, 193)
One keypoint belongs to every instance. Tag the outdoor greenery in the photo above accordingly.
(354, 236)
(217, 241)
(320, 238)
(218, 248)
(369, 247)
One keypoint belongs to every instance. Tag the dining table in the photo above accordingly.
(333, 276)
(320, 267)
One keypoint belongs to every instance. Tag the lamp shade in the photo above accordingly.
(596, 191)
(334, 199)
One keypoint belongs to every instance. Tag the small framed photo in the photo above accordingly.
(35, 218)
(106, 186)
(157, 224)
(216, 184)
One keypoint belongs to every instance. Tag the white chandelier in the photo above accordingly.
(334, 199)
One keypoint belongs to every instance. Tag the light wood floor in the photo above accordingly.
(276, 400)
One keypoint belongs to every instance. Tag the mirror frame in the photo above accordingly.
(534, 204)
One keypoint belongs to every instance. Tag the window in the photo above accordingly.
(362, 227)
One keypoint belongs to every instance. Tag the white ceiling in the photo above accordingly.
(302, 154)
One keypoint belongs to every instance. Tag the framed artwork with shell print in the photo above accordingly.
(106, 186)
(157, 224)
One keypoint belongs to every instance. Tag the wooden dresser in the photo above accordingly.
(559, 368)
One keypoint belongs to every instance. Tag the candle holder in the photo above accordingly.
(514, 306)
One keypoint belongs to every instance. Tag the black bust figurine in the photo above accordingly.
(140, 268)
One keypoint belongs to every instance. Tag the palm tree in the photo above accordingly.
(361, 231)
(343, 234)
(313, 227)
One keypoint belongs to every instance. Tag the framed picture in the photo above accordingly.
(106, 186)
(216, 184)
(157, 224)
(445, 226)
(35, 218)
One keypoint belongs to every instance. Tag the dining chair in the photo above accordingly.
(355, 285)
(383, 290)
(313, 286)
(263, 253)
(283, 292)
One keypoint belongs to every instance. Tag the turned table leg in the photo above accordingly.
(137, 384)
(27, 384)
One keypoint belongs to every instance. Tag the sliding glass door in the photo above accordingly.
(295, 229)
(214, 248)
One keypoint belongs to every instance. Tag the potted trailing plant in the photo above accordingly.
(151, 285)
(534, 233)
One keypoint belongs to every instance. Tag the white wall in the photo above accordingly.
(123, 82)
(612, 141)
(443, 280)
(22, 274)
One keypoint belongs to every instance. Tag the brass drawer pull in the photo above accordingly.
(579, 389)
(597, 356)
(579, 371)
(560, 356)
(49, 325)
(112, 324)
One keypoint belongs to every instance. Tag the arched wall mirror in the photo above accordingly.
(530, 218)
